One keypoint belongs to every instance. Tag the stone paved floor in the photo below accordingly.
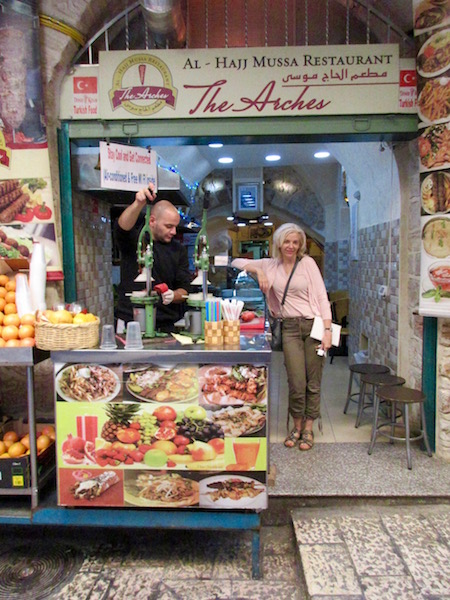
(376, 553)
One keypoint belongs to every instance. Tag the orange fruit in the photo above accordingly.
(11, 319)
(3, 292)
(6, 455)
(2, 448)
(16, 450)
(10, 286)
(10, 332)
(25, 440)
(26, 331)
(43, 442)
(10, 297)
(48, 430)
(10, 308)
(28, 342)
(4, 280)
(2, 303)
(12, 344)
(2, 343)
(11, 436)
(28, 319)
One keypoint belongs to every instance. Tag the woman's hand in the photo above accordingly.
(262, 281)
(326, 340)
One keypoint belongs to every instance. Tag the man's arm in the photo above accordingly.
(128, 218)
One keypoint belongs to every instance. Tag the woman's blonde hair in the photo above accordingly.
(281, 234)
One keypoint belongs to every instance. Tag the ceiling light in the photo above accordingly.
(225, 160)
(321, 154)
(215, 145)
(240, 224)
(230, 218)
(273, 157)
(268, 223)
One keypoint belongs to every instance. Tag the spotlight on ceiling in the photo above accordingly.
(215, 145)
(268, 223)
(240, 224)
(230, 218)
(225, 160)
(273, 157)
(321, 154)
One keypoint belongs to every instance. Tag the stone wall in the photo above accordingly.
(443, 391)
(93, 255)
(372, 319)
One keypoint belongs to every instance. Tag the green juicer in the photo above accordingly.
(145, 261)
(201, 262)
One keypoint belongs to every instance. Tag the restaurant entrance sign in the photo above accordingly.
(243, 82)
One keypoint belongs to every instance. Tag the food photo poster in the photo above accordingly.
(155, 436)
(432, 36)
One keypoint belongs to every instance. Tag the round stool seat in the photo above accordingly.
(382, 379)
(361, 369)
(404, 395)
(366, 368)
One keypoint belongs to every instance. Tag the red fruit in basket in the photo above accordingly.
(247, 316)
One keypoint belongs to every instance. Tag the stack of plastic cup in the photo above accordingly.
(134, 337)
(108, 341)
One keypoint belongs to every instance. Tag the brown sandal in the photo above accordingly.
(292, 438)
(306, 439)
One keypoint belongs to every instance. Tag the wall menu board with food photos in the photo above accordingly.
(432, 35)
(27, 212)
(143, 434)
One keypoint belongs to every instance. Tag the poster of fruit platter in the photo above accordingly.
(142, 435)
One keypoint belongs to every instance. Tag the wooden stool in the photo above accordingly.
(373, 379)
(361, 369)
(404, 396)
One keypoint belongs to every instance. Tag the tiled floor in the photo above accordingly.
(337, 427)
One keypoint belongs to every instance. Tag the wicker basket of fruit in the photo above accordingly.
(55, 331)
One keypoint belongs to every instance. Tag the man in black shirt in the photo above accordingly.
(170, 259)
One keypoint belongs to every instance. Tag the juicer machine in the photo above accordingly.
(145, 261)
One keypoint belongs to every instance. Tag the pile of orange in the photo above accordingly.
(15, 331)
(14, 446)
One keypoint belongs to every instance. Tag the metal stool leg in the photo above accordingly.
(407, 434)
(424, 429)
(393, 420)
(349, 392)
(362, 395)
(376, 407)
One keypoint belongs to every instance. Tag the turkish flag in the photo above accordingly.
(85, 85)
(408, 78)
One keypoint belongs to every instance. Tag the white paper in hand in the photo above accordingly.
(317, 331)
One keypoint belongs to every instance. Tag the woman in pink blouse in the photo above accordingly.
(305, 299)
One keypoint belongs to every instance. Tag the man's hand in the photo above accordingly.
(167, 297)
(145, 194)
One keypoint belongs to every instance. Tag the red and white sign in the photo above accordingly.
(125, 167)
(85, 96)
(407, 92)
